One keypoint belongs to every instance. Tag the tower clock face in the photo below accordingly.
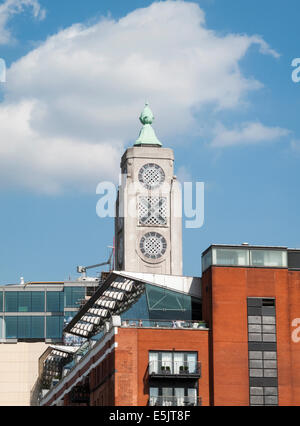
(153, 245)
(151, 176)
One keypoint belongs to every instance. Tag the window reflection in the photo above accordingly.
(176, 396)
(173, 363)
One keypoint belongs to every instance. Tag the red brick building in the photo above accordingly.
(251, 296)
(249, 353)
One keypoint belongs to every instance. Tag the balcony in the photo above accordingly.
(174, 401)
(184, 370)
(173, 324)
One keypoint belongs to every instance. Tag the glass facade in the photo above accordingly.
(55, 301)
(38, 327)
(24, 301)
(73, 296)
(11, 327)
(158, 303)
(24, 327)
(11, 302)
(38, 301)
(37, 314)
(54, 327)
(244, 257)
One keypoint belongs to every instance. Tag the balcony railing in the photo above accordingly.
(174, 401)
(185, 324)
(191, 369)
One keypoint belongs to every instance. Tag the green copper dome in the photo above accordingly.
(147, 134)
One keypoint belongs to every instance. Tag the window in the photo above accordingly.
(11, 327)
(138, 310)
(24, 328)
(232, 257)
(269, 258)
(11, 301)
(263, 376)
(55, 301)
(73, 296)
(37, 328)
(1, 327)
(166, 363)
(153, 362)
(1, 301)
(54, 327)
(38, 301)
(178, 363)
(24, 301)
(243, 257)
(207, 260)
(167, 304)
(176, 396)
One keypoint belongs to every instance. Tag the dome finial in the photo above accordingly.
(147, 116)
(147, 134)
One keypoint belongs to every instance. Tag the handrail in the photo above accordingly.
(145, 323)
(174, 368)
(174, 401)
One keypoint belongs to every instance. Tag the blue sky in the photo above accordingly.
(223, 97)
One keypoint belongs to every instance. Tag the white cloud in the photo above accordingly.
(246, 134)
(9, 8)
(72, 103)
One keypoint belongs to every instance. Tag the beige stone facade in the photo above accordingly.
(19, 372)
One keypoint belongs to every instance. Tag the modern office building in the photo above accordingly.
(32, 316)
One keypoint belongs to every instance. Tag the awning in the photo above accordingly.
(113, 297)
(57, 357)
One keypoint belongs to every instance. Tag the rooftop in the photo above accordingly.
(255, 256)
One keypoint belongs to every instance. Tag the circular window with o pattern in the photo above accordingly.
(151, 176)
(153, 245)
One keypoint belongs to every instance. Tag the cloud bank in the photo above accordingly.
(10, 8)
(246, 134)
(72, 104)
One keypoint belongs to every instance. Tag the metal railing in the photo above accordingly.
(178, 368)
(174, 401)
(185, 324)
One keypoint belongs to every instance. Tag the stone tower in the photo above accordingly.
(148, 225)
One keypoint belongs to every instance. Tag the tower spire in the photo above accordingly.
(147, 135)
